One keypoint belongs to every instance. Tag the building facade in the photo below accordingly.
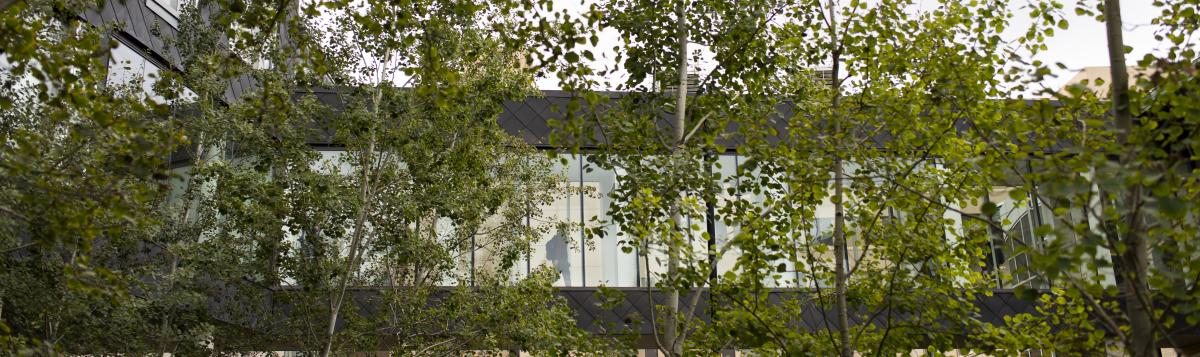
(140, 55)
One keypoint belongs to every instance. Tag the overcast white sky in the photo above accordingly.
(1082, 45)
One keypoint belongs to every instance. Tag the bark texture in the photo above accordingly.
(1136, 255)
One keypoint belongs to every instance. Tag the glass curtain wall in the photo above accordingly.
(559, 235)
(593, 261)
(581, 260)
(726, 169)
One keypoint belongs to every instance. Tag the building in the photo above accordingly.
(1097, 79)
(141, 54)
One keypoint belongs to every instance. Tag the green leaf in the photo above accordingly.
(1019, 194)
(1172, 207)
(989, 209)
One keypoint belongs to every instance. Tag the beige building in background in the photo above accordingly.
(1099, 79)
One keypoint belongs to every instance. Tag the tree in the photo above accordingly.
(1118, 177)
(1135, 256)
(187, 220)
(250, 223)
(437, 178)
(81, 172)
(875, 150)
(665, 184)
(880, 144)
(426, 179)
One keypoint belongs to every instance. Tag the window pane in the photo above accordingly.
(127, 67)
(558, 247)
(607, 264)
(726, 168)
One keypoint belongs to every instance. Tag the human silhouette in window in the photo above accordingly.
(557, 253)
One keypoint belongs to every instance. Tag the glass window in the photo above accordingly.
(1019, 221)
(726, 169)
(488, 252)
(127, 67)
(607, 264)
(560, 240)
(651, 265)
(522, 266)
(762, 191)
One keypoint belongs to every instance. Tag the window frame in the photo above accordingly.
(169, 13)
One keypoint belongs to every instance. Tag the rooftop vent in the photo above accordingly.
(823, 75)
(693, 85)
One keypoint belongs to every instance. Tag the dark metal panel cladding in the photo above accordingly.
(511, 123)
(235, 88)
(535, 125)
(229, 95)
(122, 12)
(155, 24)
(632, 313)
(93, 15)
(249, 85)
(108, 13)
(137, 21)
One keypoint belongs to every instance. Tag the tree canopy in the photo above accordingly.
(322, 175)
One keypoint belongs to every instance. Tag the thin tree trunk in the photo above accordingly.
(190, 204)
(1120, 78)
(839, 196)
(335, 304)
(1136, 256)
(273, 249)
(673, 339)
(840, 256)
(165, 327)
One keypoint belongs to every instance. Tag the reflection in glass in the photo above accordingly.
(558, 228)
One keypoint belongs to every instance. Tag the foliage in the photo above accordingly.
(190, 220)
(138, 254)
(912, 78)
(1063, 325)
(906, 139)
(81, 162)
(1121, 193)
